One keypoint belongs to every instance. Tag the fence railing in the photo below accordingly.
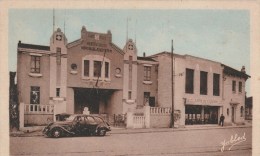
(160, 110)
(38, 108)
(138, 121)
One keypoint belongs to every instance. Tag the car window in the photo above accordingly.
(90, 120)
(81, 119)
(70, 118)
(99, 120)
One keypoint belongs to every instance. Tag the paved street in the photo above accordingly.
(191, 142)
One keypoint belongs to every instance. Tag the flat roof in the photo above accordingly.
(33, 46)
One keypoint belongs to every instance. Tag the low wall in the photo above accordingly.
(160, 121)
(37, 119)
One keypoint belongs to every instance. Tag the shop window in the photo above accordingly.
(35, 95)
(97, 68)
(146, 98)
(234, 86)
(203, 83)
(147, 73)
(228, 111)
(57, 92)
(241, 111)
(216, 78)
(35, 64)
(106, 69)
(58, 55)
(86, 67)
(189, 84)
(240, 87)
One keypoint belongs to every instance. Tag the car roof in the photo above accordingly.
(86, 115)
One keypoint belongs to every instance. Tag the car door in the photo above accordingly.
(80, 124)
(91, 124)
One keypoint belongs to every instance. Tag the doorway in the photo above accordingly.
(233, 114)
(95, 99)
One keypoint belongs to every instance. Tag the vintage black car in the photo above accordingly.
(77, 125)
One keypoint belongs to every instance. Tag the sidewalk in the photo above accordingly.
(37, 131)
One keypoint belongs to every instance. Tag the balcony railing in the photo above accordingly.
(160, 110)
(38, 109)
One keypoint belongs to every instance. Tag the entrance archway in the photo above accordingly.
(95, 99)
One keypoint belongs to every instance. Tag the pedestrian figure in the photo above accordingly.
(221, 121)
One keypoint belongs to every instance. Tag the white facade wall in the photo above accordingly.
(234, 99)
(223, 101)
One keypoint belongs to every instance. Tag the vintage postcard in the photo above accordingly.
(130, 78)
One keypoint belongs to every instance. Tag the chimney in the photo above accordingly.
(243, 69)
(143, 54)
(83, 32)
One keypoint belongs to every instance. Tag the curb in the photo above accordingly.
(134, 131)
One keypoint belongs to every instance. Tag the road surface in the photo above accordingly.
(179, 143)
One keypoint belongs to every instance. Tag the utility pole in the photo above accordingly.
(173, 74)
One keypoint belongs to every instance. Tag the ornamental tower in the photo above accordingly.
(58, 70)
(130, 76)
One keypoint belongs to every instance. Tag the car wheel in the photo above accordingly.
(102, 132)
(56, 133)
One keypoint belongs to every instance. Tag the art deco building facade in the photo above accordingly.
(93, 72)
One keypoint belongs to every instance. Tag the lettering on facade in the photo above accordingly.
(201, 101)
(94, 46)
(99, 49)
(94, 36)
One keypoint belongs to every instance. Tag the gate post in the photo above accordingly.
(21, 115)
(147, 116)
(129, 120)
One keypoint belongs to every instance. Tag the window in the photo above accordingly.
(57, 92)
(234, 86)
(35, 64)
(146, 98)
(130, 58)
(97, 68)
(129, 95)
(241, 111)
(35, 95)
(86, 67)
(74, 66)
(189, 84)
(240, 87)
(228, 111)
(106, 69)
(58, 55)
(147, 73)
(203, 83)
(216, 84)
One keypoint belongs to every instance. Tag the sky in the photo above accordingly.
(218, 35)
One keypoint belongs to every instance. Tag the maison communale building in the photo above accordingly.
(95, 73)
